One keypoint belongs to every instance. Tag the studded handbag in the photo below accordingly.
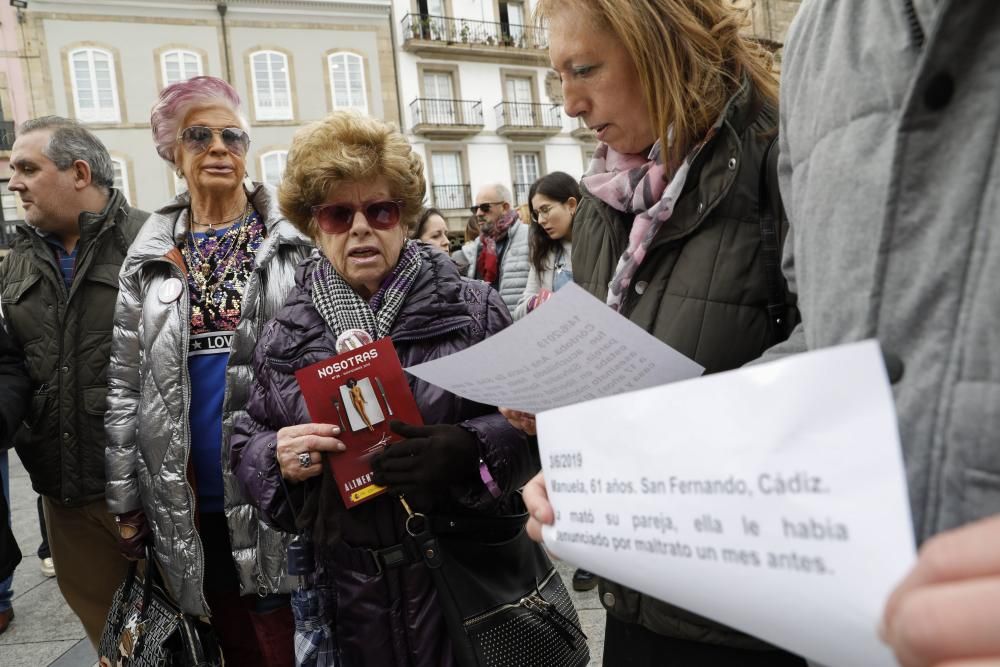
(503, 601)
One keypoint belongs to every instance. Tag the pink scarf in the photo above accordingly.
(641, 186)
(487, 264)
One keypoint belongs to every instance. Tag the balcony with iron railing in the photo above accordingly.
(528, 120)
(451, 37)
(451, 197)
(6, 135)
(446, 119)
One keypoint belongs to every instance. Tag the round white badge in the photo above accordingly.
(352, 339)
(170, 289)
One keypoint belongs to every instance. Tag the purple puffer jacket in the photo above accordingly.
(390, 619)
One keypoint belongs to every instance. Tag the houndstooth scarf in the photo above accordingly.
(342, 308)
(644, 187)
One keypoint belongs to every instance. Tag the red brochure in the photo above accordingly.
(360, 391)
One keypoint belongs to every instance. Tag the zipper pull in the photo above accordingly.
(547, 612)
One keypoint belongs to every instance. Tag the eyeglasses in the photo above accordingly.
(485, 206)
(543, 211)
(198, 138)
(338, 218)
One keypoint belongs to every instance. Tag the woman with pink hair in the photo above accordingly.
(204, 274)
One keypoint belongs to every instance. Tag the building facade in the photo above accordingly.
(468, 81)
(104, 62)
(479, 100)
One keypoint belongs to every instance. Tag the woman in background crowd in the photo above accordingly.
(553, 200)
(354, 184)
(431, 228)
(204, 274)
(667, 232)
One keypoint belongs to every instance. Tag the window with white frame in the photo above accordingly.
(515, 20)
(95, 90)
(519, 99)
(347, 81)
(9, 202)
(448, 190)
(525, 173)
(272, 166)
(439, 103)
(180, 65)
(121, 177)
(272, 90)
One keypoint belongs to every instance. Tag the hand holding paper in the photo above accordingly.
(771, 499)
(946, 609)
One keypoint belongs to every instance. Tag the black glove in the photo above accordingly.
(431, 458)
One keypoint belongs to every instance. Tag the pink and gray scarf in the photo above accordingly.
(643, 187)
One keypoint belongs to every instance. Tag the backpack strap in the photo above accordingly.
(772, 222)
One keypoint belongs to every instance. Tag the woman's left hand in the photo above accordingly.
(431, 456)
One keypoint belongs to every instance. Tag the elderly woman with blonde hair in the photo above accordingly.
(204, 274)
(354, 185)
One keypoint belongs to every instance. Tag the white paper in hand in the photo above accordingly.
(571, 349)
(771, 498)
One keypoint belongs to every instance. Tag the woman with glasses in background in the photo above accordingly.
(355, 186)
(204, 274)
(552, 202)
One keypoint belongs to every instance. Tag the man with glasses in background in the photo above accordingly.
(60, 285)
(500, 255)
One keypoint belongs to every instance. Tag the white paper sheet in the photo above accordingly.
(771, 498)
(571, 349)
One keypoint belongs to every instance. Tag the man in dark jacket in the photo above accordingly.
(59, 287)
(13, 398)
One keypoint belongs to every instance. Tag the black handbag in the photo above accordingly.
(503, 602)
(146, 628)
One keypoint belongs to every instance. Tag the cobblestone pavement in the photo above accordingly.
(46, 632)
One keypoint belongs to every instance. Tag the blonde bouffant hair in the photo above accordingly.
(690, 56)
(347, 147)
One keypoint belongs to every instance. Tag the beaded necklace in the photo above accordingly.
(201, 267)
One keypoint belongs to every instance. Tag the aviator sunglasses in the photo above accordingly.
(485, 206)
(338, 218)
(198, 138)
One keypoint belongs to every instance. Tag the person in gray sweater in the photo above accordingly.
(499, 256)
(888, 172)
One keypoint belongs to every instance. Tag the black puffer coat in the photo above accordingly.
(14, 387)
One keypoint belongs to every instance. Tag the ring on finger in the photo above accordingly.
(305, 459)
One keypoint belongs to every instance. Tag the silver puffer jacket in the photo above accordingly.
(147, 421)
